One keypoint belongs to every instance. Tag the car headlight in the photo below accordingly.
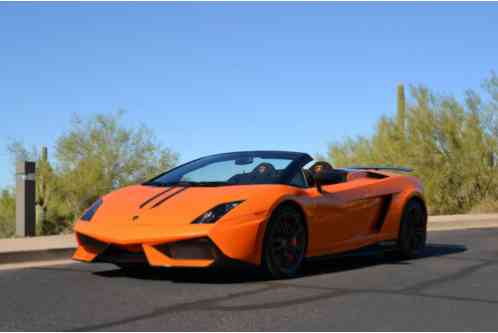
(88, 214)
(216, 213)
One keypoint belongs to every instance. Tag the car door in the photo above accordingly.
(343, 212)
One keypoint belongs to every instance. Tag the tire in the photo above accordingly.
(412, 230)
(285, 243)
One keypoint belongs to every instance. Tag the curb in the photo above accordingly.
(56, 248)
(459, 218)
(35, 255)
(36, 249)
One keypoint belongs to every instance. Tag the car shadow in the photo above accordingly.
(374, 256)
(367, 257)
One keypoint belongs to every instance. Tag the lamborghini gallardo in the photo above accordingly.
(270, 209)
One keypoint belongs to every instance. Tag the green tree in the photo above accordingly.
(99, 154)
(451, 145)
(94, 157)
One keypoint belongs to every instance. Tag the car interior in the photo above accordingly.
(261, 174)
(265, 173)
(333, 176)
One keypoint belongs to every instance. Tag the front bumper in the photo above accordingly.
(198, 252)
(182, 246)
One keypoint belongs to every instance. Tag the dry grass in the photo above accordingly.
(485, 206)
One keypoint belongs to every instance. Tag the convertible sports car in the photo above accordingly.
(265, 208)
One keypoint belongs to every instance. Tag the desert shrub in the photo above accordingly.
(452, 145)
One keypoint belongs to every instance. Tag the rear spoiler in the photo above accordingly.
(402, 169)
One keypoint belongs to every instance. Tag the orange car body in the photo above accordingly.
(364, 210)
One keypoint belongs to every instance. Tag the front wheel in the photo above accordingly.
(412, 230)
(285, 243)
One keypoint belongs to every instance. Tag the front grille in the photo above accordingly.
(201, 248)
(115, 254)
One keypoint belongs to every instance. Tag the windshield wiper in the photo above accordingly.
(171, 184)
(208, 184)
(203, 184)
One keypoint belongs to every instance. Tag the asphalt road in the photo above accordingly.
(453, 286)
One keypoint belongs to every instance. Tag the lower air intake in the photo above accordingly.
(116, 255)
(201, 248)
(91, 243)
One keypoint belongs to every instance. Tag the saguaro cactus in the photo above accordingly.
(44, 187)
(401, 109)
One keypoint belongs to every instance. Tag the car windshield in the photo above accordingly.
(245, 168)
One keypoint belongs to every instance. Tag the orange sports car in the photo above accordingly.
(266, 208)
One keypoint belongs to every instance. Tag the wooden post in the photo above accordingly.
(25, 199)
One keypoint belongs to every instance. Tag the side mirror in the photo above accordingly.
(319, 181)
(323, 178)
(318, 185)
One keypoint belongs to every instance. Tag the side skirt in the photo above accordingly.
(374, 249)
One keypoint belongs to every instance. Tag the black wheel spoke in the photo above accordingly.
(413, 230)
(287, 242)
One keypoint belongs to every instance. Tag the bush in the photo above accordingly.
(488, 205)
(7, 214)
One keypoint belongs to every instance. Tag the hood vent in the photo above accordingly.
(154, 197)
(168, 197)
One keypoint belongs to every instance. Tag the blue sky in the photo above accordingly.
(220, 77)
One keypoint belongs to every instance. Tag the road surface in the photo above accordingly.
(453, 286)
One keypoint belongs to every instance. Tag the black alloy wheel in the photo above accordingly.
(413, 230)
(285, 243)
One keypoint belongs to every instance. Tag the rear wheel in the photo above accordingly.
(285, 243)
(412, 230)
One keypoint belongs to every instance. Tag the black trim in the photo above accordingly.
(295, 166)
(91, 244)
(116, 255)
(356, 167)
(375, 175)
